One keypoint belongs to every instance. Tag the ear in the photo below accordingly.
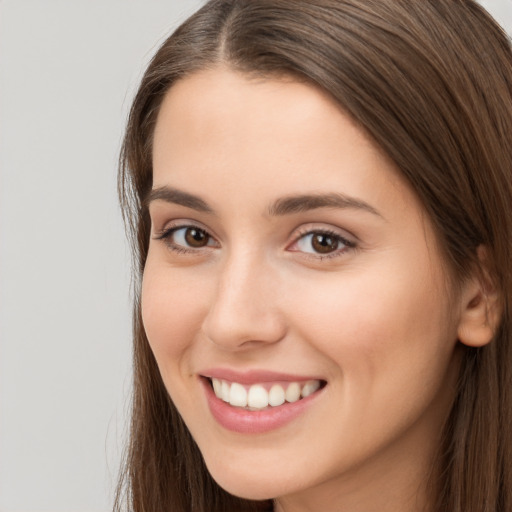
(480, 305)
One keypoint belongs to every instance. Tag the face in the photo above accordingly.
(293, 270)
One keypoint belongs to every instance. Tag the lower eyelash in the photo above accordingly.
(178, 249)
(328, 256)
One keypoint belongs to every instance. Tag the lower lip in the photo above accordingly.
(243, 421)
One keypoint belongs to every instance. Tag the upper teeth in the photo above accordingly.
(258, 397)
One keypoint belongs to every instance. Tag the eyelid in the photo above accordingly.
(321, 227)
(180, 223)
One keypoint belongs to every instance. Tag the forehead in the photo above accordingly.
(219, 120)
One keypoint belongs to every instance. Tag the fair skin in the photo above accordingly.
(353, 296)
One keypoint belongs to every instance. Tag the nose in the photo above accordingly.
(244, 312)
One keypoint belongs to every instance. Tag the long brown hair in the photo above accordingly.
(431, 82)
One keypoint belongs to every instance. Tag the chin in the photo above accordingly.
(250, 486)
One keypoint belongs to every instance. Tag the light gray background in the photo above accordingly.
(68, 70)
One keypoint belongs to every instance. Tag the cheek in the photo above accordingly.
(173, 307)
(389, 348)
(381, 333)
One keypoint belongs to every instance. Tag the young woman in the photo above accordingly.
(319, 197)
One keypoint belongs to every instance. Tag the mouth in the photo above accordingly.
(259, 402)
(263, 396)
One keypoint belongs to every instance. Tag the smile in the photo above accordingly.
(261, 396)
(259, 402)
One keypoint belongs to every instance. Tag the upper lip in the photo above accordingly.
(255, 376)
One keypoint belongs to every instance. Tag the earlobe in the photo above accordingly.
(480, 306)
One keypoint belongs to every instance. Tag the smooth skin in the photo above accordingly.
(355, 293)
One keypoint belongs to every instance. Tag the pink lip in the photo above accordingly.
(254, 376)
(243, 421)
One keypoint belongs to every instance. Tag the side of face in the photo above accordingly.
(256, 266)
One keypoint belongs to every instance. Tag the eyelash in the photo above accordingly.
(166, 237)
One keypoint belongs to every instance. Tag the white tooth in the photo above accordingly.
(257, 397)
(224, 391)
(310, 387)
(217, 388)
(293, 392)
(276, 395)
(237, 395)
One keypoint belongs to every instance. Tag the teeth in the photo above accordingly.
(224, 391)
(293, 392)
(237, 395)
(276, 395)
(309, 388)
(217, 387)
(256, 397)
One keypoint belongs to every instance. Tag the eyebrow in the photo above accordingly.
(283, 206)
(302, 203)
(175, 196)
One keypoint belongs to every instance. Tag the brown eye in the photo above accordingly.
(323, 243)
(187, 238)
(196, 237)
